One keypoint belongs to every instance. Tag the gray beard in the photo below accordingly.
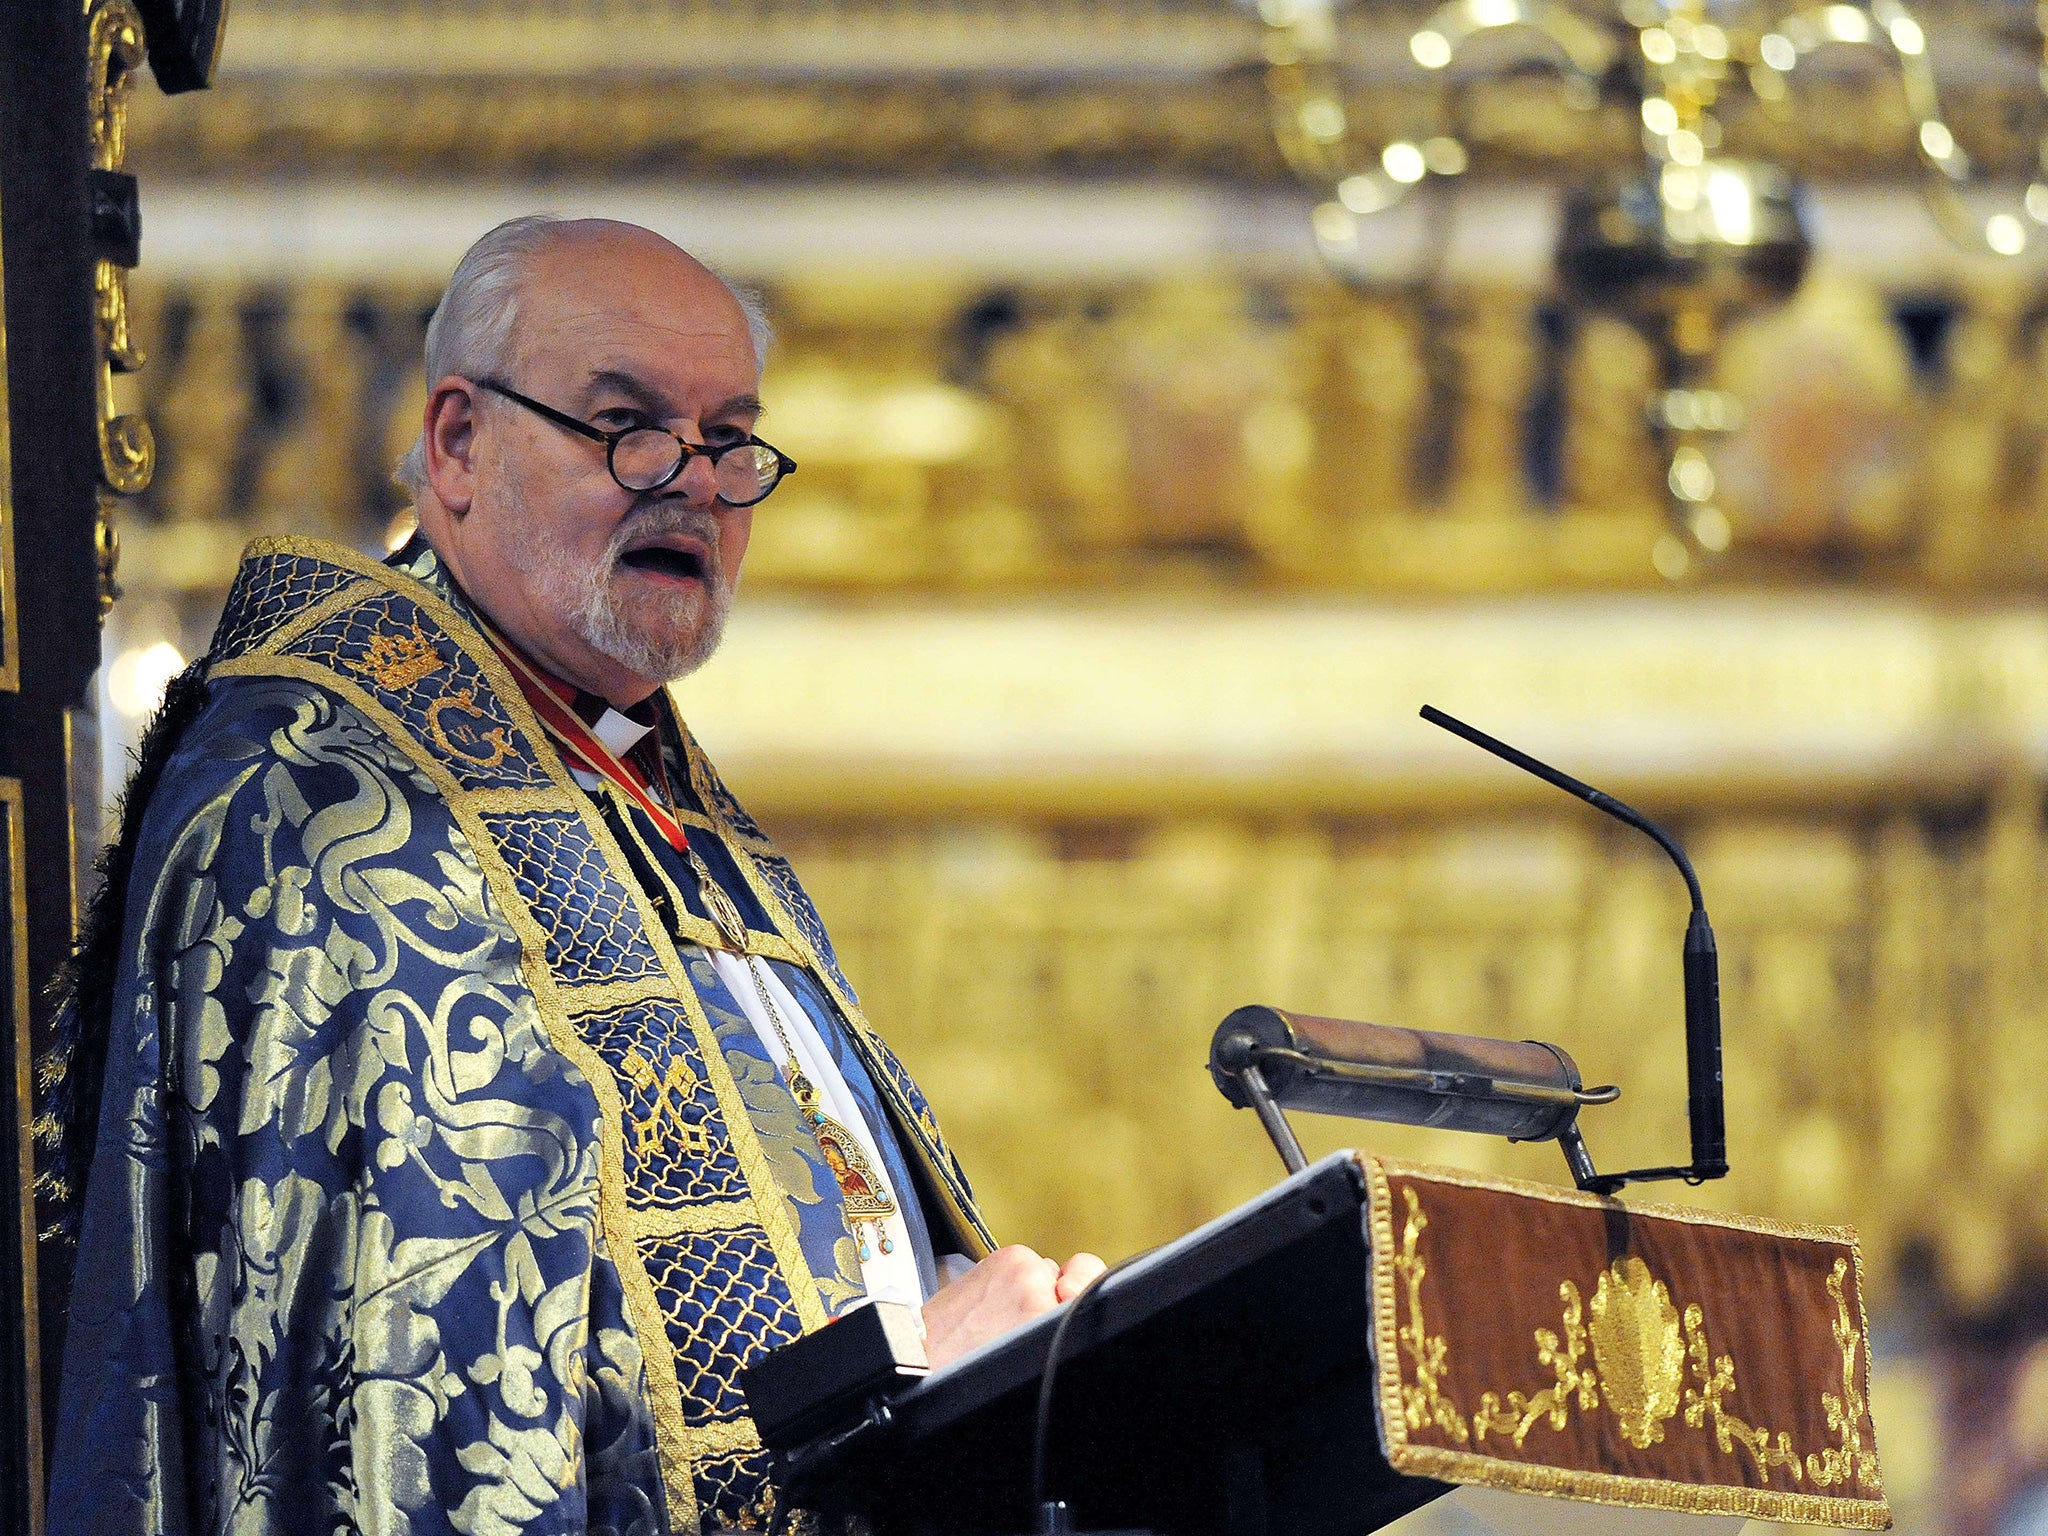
(599, 620)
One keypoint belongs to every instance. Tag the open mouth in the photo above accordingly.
(673, 564)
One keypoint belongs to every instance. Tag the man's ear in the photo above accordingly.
(449, 431)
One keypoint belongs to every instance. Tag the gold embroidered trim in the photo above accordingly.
(516, 802)
(1862, 1325)
(301, 548)
(721, 1216)
(773, 1215)
(704, 823)
(1644, 1325)
(1845, 1413)
(723, 1438)
(313, 617)
(604, 996)
(649, 1319)
(694, 929)
(753, 1160)
(1640, 1492)
(1713, 1378)
(1425, 1402)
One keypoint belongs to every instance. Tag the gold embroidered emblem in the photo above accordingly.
(398, 662)
(1649, 1361)
(485, 748)
(671, 1092)
(1637, 1349)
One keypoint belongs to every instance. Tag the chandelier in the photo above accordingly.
(1682, 237)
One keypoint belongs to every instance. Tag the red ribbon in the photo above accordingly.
(551, 698)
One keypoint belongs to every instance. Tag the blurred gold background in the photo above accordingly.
(1077, 669)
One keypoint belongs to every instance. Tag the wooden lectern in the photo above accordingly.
(1369, 1334)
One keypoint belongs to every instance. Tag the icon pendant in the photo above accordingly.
(866, 1200)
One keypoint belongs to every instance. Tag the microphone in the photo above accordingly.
(1705, 1103)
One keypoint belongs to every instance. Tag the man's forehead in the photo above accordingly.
(700, 315)
(616, 325)
(660, 345)
(626, 281)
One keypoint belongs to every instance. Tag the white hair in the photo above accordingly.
(471, 333)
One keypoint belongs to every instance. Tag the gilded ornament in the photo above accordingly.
(106, 549)
(1637, 1349)
(127, 449)
(115, 52)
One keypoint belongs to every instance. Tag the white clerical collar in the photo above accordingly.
(619, 733)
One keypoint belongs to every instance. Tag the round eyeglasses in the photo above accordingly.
(646, 458)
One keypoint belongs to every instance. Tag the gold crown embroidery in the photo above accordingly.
(397, 662)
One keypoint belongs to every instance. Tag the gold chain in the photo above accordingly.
(725, 917)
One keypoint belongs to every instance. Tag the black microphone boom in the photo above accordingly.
(1705, 1108)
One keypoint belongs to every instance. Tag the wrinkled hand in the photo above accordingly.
(1005, 1290)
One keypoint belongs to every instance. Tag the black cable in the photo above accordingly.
(1598, 799)
(1041, 1435)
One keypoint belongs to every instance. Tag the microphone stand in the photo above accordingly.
(1705, 1105)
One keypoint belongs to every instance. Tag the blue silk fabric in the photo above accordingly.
(436, 1187)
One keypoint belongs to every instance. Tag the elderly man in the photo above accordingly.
(480, 1090)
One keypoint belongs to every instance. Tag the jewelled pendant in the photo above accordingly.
(866, 1199)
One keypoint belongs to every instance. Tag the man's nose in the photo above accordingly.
(697, 483)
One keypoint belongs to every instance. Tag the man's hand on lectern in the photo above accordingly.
(1005, 1290)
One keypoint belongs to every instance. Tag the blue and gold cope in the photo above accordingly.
(441, 1185)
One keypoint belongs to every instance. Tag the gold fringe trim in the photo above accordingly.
(1558, 1195)
(1639, 1492)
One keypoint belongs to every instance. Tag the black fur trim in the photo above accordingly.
(75, 1067)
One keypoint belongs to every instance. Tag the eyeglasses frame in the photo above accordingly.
(786, 466)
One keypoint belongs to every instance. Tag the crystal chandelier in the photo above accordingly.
(1681, 239)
